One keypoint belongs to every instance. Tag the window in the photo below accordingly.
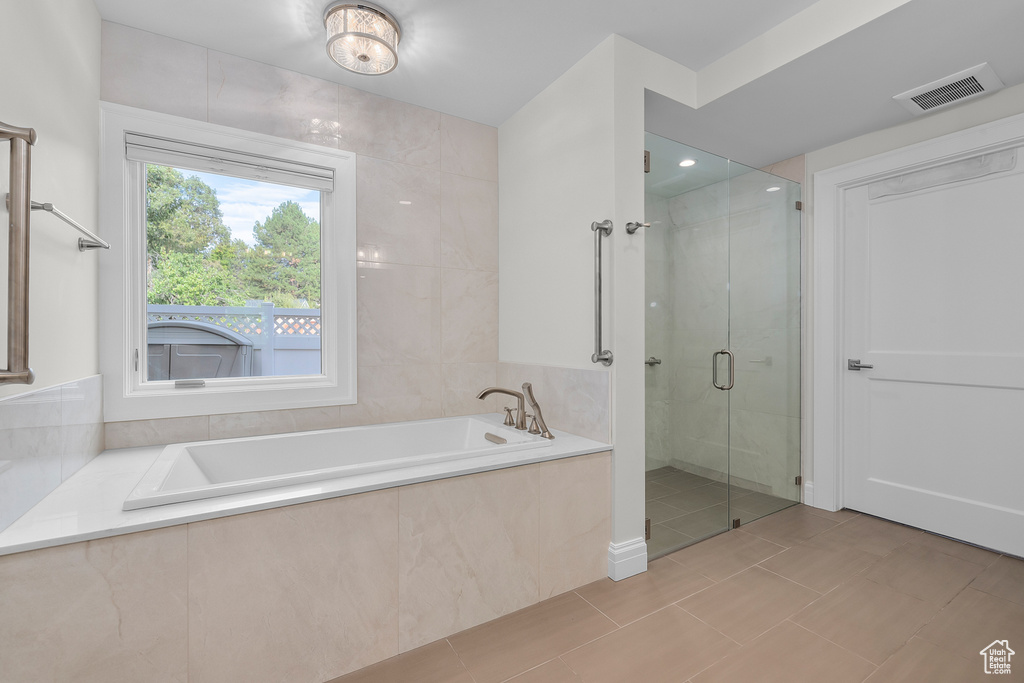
(230, 283)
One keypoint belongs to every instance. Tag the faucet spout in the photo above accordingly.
(544, 431)
(520, 410)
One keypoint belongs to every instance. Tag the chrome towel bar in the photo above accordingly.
(600, 355)
(93, 241)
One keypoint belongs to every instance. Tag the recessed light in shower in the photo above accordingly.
(404, 202)
(773, 188)
(687, 162)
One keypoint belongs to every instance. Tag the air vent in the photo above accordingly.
(960, 87)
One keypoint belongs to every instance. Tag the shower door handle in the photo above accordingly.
(732, 369)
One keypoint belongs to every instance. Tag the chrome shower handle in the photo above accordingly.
(732, 369)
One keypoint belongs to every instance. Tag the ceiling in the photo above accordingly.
(484, 59)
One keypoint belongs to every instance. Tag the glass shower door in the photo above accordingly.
(687, 322)
(764, 417)
(722, 336)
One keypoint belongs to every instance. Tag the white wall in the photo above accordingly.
(51, 53)
(1004, 103)
(571, 156)
(554, 157)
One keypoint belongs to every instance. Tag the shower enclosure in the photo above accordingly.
(723, 344)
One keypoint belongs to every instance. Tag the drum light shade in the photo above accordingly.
(363, 38)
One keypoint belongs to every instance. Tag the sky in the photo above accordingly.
(243, 202)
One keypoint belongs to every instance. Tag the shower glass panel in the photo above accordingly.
(723, 319)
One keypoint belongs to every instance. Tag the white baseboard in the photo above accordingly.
(809, 494)
(627, 559)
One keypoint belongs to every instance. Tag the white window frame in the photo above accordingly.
(126, 394)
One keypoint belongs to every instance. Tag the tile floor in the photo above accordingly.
(685, 508)
(801, 595)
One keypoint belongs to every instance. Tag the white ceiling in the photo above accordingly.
(484, 59)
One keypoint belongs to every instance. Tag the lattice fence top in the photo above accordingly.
(256, 322)
(307, 326)
(250, 325)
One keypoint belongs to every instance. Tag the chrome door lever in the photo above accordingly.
(855, 364)
(653, 361)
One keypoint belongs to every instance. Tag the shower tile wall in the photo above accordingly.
(721, 272)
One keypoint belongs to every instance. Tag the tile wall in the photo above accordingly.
(308, 592)
(428, 271)
(45, 437)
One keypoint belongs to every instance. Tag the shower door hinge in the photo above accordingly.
(647, 529)
(736, 523)
(647, 161)
(799, 481)
(799, 206)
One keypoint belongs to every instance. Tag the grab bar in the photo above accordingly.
(21, 139)
(600, 355)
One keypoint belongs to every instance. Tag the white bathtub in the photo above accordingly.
(194, 471)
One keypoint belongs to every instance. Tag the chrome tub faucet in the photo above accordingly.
(520, 410)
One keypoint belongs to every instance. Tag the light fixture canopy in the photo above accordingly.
(363, 38)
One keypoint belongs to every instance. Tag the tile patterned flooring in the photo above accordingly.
(685, 508)
(801, 595)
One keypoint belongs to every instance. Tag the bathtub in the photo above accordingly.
(209, 469)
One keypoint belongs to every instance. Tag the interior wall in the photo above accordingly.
(51, 49)
(559, 174)
(555, 154)
(999, 105)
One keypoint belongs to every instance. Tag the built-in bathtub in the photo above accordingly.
(433, 530)
(137, 489)
(193, 471)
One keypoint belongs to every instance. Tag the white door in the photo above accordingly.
(933, 274)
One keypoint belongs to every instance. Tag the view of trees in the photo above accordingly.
(194, 261)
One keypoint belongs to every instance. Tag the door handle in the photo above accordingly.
(855, 364)
(732, 369)
(653, 361)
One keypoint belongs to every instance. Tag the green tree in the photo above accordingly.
(285, 263)
(192, 280)
(182, 213)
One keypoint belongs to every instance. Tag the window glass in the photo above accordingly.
(233, 276)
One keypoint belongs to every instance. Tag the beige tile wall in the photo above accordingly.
(428, 283)
(308, 592)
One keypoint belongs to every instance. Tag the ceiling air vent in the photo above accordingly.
(945, 92)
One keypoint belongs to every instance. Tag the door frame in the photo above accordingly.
(826, 488)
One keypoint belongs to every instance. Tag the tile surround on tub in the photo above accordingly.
(46, 436)
(294, 594)
(111, 610)
(259, 595)
(469, 549)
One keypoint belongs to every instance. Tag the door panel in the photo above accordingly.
(933, 433)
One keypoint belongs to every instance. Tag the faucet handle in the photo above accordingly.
(509, 420)
(534, 429)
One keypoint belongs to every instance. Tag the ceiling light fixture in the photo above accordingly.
(687, 162)
(363, 37)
